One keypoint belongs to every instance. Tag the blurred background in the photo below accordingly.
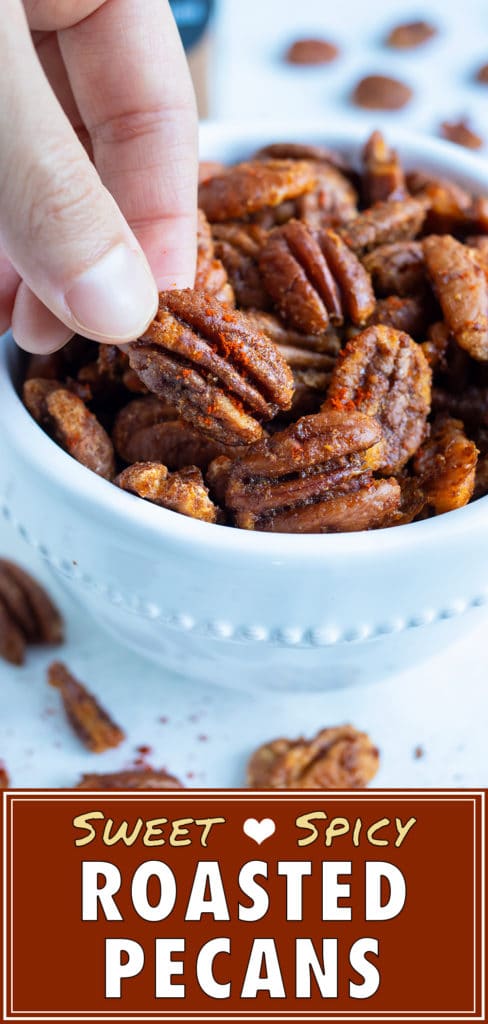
(238, 52)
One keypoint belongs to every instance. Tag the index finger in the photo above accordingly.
(132, 85)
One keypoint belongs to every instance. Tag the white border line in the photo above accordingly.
(423, 796)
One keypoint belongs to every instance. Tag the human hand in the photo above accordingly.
(85, 244)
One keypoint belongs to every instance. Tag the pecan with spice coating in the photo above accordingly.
(301, 151)
(89, 720)
(336, 758)
(329, 341)
(352, 278)
(298, 278)
(383, 176)
(314, 477)
(183, 491)
(66, 418)
(460, 283)
(446, 465)
(211, 275)
(131, 778)
(221, 374)
(238, 245)
(397, 268)
(331, 203)
(249, 187)
(27, 613)
(385, 222)
(147, 430)
(384, 374)
(410, 313)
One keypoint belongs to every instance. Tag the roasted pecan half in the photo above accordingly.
(380, 92)
(238, 246)
(410, 313)
(384, 374)
(302, 151)
(410, 35)
(131, 778)
(296, 275)
(329, 341)
(446, 465)
(385, 222)
(336, 758)
(383, 176)
(460, 282)
(183, 492)
(89, 720)
(248, 187)
(145, 430)
(211, 275)
(221, 374)
(66, 418)
(397, 268)
(314, 477)
(331, 203)
(27, 613)
(352, 278)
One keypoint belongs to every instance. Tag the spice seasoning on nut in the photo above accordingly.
(27, 613)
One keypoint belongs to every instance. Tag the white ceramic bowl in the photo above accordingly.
(235, 607)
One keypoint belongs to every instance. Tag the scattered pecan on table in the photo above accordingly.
(324, 286)
(379, 92)
(131, 778)
(4, 777)
(336, 758)
(461, 133)
(27, 613)
(89, 720)
(311, 51)
(410, 34)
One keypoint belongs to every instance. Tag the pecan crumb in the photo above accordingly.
(311, 51)
(461, 133)
(336, 758)
(379, 92)
(132, 778)
(91, 723)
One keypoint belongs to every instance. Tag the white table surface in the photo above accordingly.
(204, 734)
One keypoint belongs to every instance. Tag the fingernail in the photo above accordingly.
(34, 327)
(116, 298)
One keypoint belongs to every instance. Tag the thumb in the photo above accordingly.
(60, 228)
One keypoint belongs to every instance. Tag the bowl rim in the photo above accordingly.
(99, 496)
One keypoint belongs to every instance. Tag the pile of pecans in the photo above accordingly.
(328, 372)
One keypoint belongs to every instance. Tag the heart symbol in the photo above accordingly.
(259, 831)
